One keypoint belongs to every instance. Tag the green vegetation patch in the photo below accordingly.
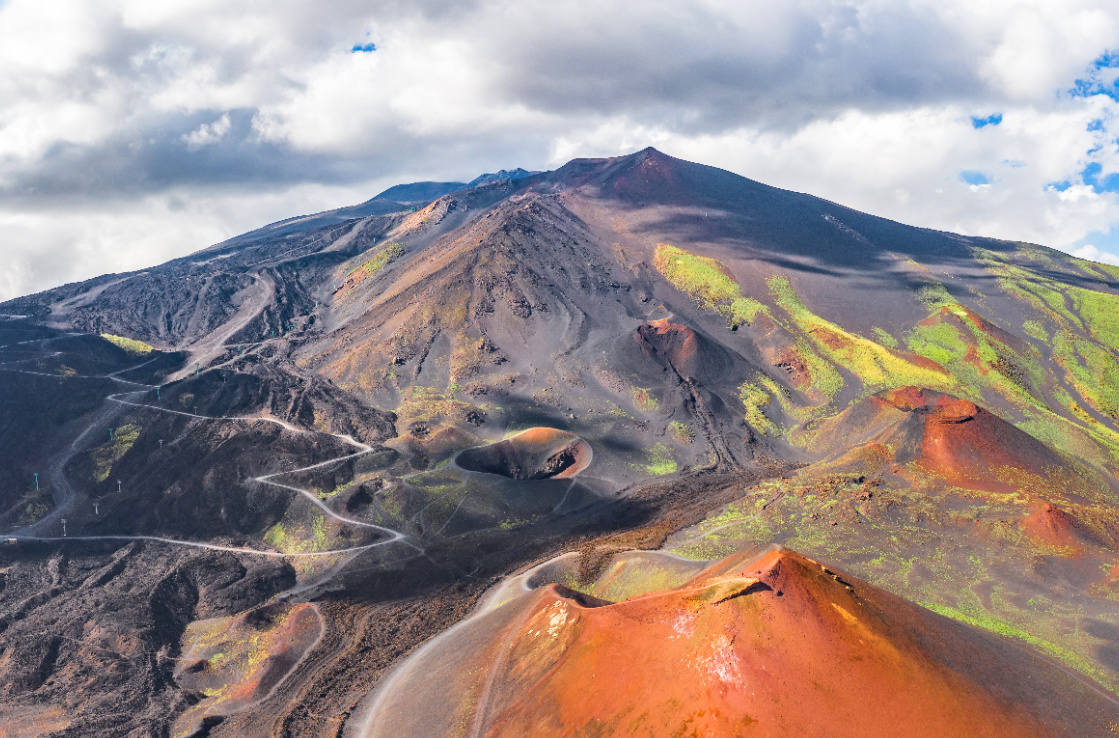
(368, 265)
(428, 405)
(661, 460)
(381, 259)
(124, 438)
(645, 399)
(1035, 329)
(1091, 368)
(1065, 656)
(823, 376)
(707, 282)
(745, 310)
(373, 261)
(966, 346)
(941, 342)
(130, 345)
(294, 538)
(34, 508)
(681, 432)
(514, 523)
(1100, 313)
(885, 338)
(936, 296)
(632, 576)
(1041, 293)
(874, 364)
(756, 400)
(1085, 339)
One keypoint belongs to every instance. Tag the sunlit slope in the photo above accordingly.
(481, 302)
(401, 407)
(941, 501)
(776, 644)
(1047, 360)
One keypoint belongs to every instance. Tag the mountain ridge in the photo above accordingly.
(404, 406)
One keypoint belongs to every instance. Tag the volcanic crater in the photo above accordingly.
(532, 454)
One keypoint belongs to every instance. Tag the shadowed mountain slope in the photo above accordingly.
(411, 399)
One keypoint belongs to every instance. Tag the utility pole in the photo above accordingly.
(118, 486)
(196, 368)
(64, 527)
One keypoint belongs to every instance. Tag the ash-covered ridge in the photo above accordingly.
(335, 434)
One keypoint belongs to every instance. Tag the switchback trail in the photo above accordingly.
(66, 494)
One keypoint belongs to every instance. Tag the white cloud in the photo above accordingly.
(209, 133)
(51, 248)
(865, 102)
(1090, 252)
(1042, 45)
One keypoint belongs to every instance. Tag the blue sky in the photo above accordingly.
(983, 121)
(157, 129)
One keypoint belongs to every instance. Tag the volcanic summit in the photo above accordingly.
(790, 468)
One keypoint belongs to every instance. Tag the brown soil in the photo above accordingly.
(537, 453)
(1049, 525)
(676, 345)
(520, 297)
(955, 440)
(778, 644)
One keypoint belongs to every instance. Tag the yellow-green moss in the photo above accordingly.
(130, 345)
(1035, 329)
(124, 438)
(661, 460)
(367, 265)
(936, 295)
(428, 405)
(745, 310)
(315, 538)
(682, 433)
(756, 400)
(1100, 313)
(885, 338)
(707, 282)
(875, 365)
(994, 625)
(33, 510)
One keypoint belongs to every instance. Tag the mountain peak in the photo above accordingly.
(433, 392)
(500, 176)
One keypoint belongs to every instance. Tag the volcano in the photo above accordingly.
(368, 423)
(778, 644)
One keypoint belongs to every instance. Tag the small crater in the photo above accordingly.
(537, 453)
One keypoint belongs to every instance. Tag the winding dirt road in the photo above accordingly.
(204, 351)
(65, 494)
